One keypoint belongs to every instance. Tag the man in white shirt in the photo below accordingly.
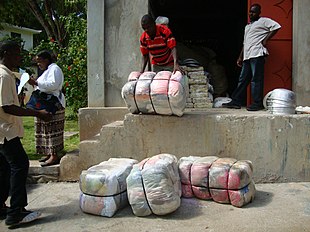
(252, 59)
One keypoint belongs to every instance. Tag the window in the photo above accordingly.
(15, 35)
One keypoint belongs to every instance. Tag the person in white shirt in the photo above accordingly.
(252, 59)
(49, 135)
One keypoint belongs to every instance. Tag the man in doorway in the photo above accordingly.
(14, 162)
(252, 59)
(158, 44)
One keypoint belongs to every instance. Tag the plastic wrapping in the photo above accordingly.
(128, 92)
(178, 92)
(103, 186)
(163, 93)
(225, 180)
(154, 186)
(142, 93)
(159, 93)
(103, 206)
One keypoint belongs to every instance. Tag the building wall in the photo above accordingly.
(113, 48)
(25, 36)
(301, 51)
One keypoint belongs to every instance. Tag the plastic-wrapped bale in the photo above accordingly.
(163, 93)
(178, 93)
(242, 196)
(218, 179)
(159, 93)
(225, 180)
(128, 92)
(194, 174)
(230, 181)
(185, 165)
(153, 186)
(103, 206)
(142, 93)
(103, 186)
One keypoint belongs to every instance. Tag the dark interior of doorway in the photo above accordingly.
(199, 24)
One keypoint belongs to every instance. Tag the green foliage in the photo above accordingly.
(70, 49)
(17, 13)
(74, 62)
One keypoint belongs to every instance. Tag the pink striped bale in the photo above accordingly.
(225, 180)
(178, 92)
(142, 93)
(159, 93)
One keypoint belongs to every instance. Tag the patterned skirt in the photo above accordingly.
(49, 136)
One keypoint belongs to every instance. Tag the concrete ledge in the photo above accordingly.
(38, 174)
(92, 119)
(278, 146)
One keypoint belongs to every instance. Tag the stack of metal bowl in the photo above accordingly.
(280, 101)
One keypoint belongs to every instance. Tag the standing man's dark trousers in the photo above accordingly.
(14, 165)
(252, 71)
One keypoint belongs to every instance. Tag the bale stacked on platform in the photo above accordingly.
(154, 186)
(199, 96)
(163, 93)
(225, 180)
(103, 186)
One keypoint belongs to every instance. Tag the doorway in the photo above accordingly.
(206, 31)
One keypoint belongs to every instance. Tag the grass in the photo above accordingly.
(28, 141)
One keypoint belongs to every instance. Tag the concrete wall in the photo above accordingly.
(92, 119)
(301, 51)
(113, 48)
(278, 146)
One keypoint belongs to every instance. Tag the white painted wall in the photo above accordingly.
(26, 34)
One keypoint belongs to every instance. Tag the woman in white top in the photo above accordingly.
(49, 135)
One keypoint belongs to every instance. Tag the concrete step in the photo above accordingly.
(38, 174)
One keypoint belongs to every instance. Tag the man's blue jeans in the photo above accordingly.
(14, 166)
(252, 71)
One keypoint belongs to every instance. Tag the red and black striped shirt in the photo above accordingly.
(160, 47)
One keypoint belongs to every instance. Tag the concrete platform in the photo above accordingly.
(280, 207)
(38, 174)
(278, 146)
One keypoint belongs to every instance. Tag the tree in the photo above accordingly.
(64, 22)
(51, 15)
(15, 13)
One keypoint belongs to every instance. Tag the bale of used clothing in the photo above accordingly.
(159, 93)
(224, 180)
(128, 92)
(103, 186)
(163, 93)
(153, 186)
(142, 93)
(194, 175)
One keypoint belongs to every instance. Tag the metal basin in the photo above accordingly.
(280, 101)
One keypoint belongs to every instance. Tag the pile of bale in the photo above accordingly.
(200, 91)
(156, 184)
